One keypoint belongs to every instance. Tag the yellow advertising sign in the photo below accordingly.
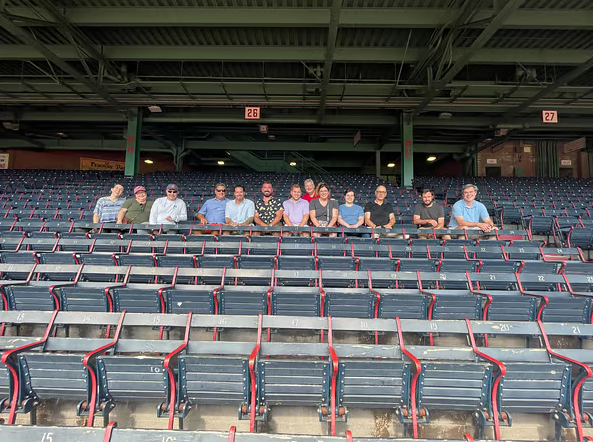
(95, 164)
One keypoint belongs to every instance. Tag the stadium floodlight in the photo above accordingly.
(431, 159)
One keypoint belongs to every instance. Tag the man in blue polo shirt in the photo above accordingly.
(471, 214)
(212, 211)
(240, 211)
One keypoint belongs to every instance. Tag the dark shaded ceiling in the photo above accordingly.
(71, 70)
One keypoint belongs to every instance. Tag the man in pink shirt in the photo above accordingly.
(310, 191)
(296, 210)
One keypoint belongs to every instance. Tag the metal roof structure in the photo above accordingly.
(320, 69)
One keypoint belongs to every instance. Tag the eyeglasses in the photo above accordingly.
(171, 191)
(221, 190)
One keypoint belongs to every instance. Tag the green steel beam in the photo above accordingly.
(47, 54)
(509, 116)
(497, 21)
(561, 81)
(442, 41)
(305, 17)
(332, 36)
(78, 38)
(21, 137)
(152, 145)
(233, 116)
(298, 53)
(213, 102)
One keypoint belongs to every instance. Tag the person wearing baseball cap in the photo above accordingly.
(135, 210)
(168, 210)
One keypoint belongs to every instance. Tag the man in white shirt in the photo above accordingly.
(168, 210)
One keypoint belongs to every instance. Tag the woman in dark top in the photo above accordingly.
(323, 212)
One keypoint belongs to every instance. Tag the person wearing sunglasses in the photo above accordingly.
(212, 211)
(169, 210)
(136, 210)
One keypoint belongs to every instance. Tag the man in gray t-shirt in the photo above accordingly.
(429, 214)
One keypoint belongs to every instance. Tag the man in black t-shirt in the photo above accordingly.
(379, 213)
(428, 214)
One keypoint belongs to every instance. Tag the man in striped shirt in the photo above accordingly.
(108, 207)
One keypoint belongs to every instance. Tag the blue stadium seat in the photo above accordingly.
(349, 303)
(302, 382)
(295, 301)
(454, 386)
(198, 299)
(214, 380)
(131, 379)
(243, 300)
(375, 384)
(52, 376)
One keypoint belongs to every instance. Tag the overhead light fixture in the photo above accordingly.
(431, 159)
(147, 161)
(154, 108)
(293, 163)
(221, 163)
(391, 165)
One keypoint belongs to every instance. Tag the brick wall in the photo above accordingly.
(579, 162)
(512, 155)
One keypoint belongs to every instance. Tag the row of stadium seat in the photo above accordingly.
(370, 294)
(302, 256)
(336, 378)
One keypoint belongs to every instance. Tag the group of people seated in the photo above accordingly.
(315, 207)
(166, 211)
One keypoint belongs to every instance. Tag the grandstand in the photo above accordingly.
(112, 323)
(450, 319)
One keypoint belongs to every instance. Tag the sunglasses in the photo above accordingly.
(171, 191)
(221, 190)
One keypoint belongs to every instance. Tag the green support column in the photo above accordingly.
(133, 142)
(407, 149)
(178, 154)
(378, 163)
